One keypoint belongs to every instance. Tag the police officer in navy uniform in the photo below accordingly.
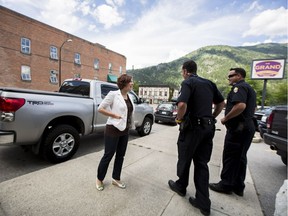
(197, 128)
(240, 108)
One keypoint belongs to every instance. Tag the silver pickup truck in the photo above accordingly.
(51, 123)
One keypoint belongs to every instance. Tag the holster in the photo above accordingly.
(239, 127)
(189, 123)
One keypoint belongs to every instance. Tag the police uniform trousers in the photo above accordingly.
(196, 144)
(236, 145)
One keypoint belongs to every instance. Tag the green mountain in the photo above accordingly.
(214, 63)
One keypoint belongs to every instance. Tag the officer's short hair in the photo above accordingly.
(240, 71)
(190, 66)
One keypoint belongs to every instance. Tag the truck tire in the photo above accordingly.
(146, 127)
(60, 144)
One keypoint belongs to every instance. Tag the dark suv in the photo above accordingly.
(166, 112)
(276, 135)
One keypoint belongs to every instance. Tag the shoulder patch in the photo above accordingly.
(235, 89)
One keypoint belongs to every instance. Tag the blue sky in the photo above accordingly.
(151, 32)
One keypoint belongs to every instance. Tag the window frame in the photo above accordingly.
(110, 68)
(26, 73)
(53, 75)
(77, 58)
(25, 45)
(96, 63)
(120, 70)
(53, 55)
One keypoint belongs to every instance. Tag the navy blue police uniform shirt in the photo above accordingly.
(242, 92)
(199, 94)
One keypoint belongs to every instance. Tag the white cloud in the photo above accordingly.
(85, 8)
(143, 2)
(251, 43)
(115, 3)
(271, 23)
(92, 28)
(108, 16)
(61, 14)
(254, 6)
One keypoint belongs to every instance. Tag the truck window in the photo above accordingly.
(76, 87)
(105, 89)
(134, 98)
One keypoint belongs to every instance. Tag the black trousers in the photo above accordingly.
(113, 144)
(236, 146)
(196, 144)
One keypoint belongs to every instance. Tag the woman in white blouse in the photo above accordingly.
(119, 108)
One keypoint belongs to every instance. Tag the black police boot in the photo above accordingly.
(218, 187)
(194, 203)
(176, 188)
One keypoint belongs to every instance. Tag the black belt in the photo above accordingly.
(202, 121)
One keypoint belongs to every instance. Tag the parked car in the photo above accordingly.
(276, 135)
(262, 124)
(166, 112)
(260, 113)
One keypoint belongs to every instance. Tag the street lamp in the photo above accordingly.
(59, 76)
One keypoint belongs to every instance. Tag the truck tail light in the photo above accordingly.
(11, 104)
(269, 120)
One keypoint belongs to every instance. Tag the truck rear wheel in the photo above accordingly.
(60, 144)
(146, 127)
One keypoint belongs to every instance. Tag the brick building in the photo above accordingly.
(154, 94)
(37, 56)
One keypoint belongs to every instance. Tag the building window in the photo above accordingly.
(77, 58)
(53, 52)
(110, 67)
(96, 64)
(25, 45)
(53, 76)
(25, 73)
(120, 70)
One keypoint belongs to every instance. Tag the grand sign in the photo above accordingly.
(268, 69)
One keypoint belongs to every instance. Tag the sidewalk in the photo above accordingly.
(69, 188)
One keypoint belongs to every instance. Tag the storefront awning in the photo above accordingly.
(112, 78)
